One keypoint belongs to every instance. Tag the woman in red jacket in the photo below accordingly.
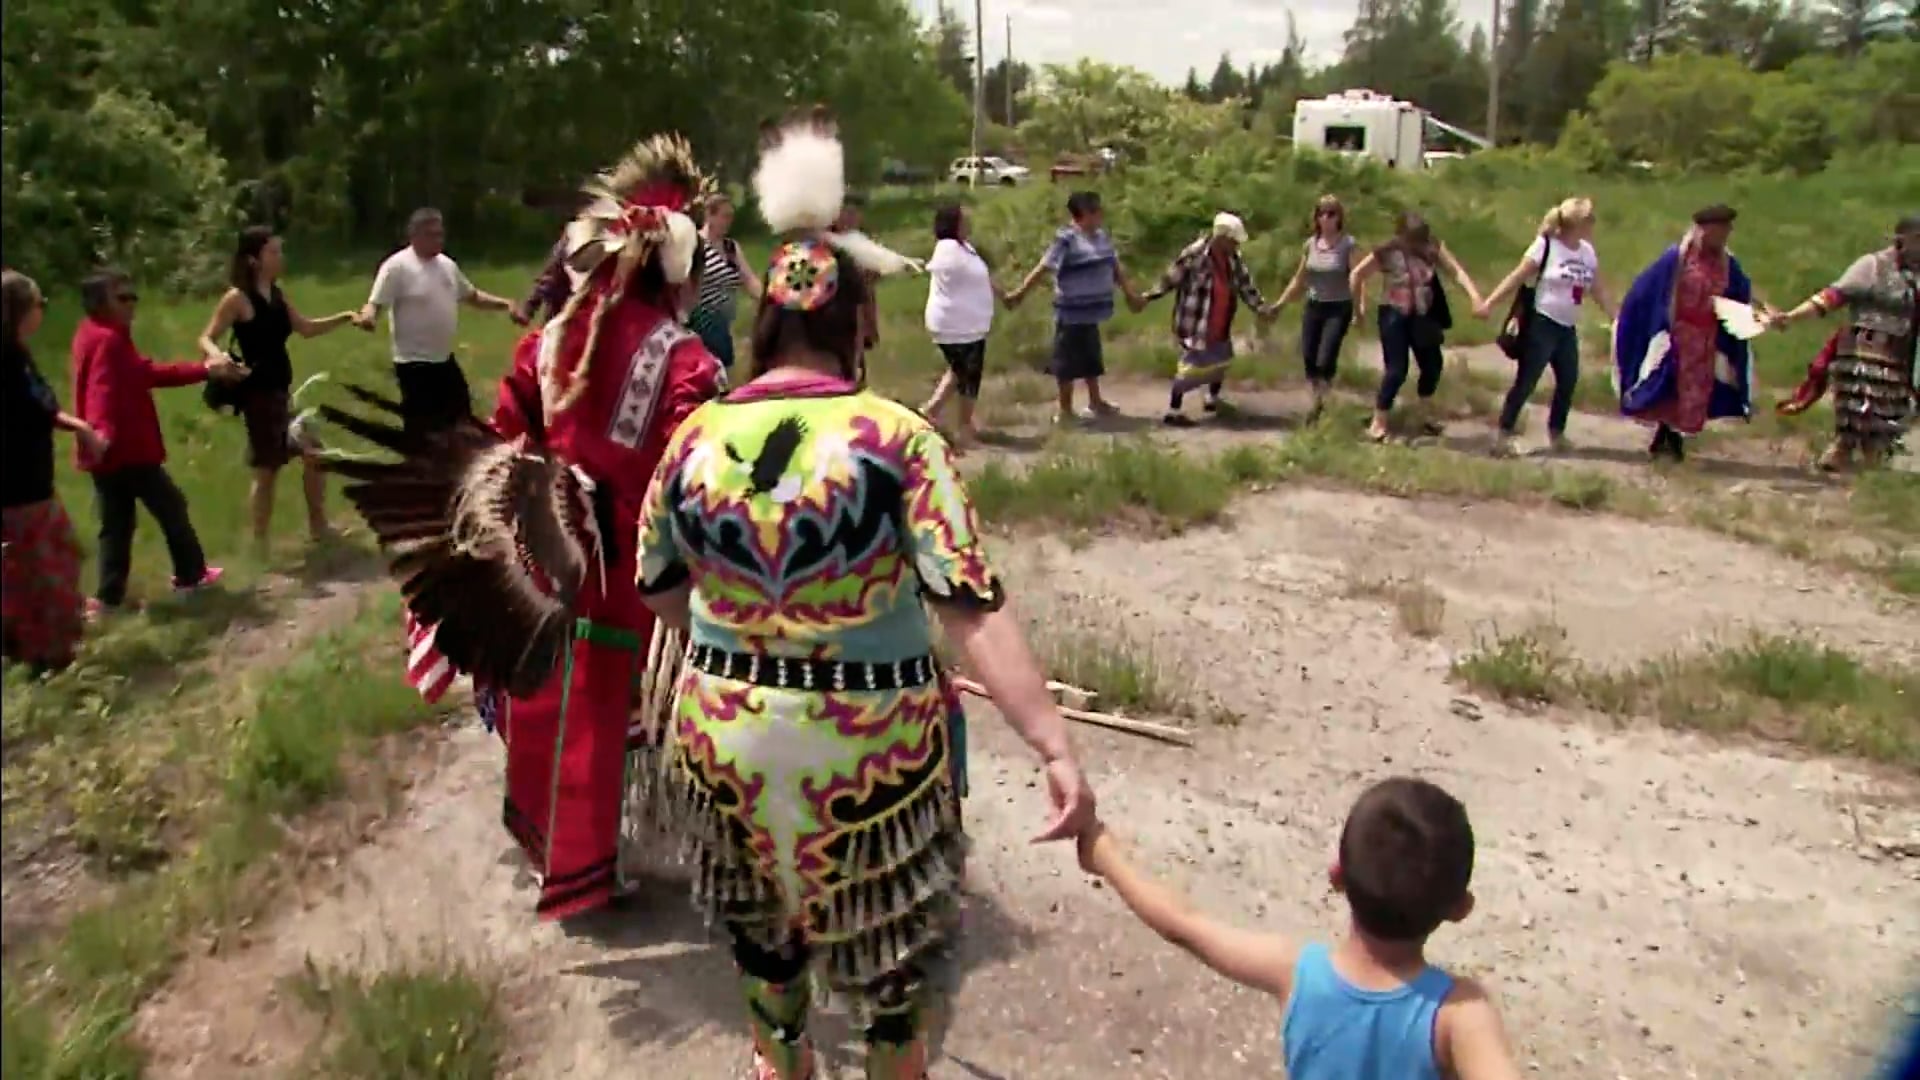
(113, 386)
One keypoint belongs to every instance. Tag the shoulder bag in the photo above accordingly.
(1513, 332)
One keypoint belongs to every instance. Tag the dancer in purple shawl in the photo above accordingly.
(1674, 366)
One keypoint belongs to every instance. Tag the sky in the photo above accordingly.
(1165, 39)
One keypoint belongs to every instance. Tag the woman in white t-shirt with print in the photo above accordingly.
(1565, 270)
(959, 315)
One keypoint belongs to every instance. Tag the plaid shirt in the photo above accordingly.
(1191, 272)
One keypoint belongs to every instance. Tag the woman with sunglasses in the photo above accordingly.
(113, 386)
(1326, 267)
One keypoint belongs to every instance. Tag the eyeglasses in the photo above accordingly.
(1326, 213)
(128, 297)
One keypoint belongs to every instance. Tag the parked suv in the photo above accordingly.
(987, 170)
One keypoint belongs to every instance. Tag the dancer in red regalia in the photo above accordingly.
(515, 539)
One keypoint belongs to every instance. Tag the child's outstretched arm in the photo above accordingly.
(1261, 961)
(1473, 1040)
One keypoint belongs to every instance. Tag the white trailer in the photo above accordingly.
(1363, 122)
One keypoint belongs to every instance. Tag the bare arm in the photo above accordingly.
(1460, 274)
(233, 307)
(1362, 272)
(1263, 962)
(1476, 1046)
(749, 280)
(1603, 297)
(1295, 286)
(1027, 283)
(1526, 269)
(313, 328)
(486, 301)
(1127, 290)
(996, 652)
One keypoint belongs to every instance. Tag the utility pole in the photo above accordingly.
(1493, 79)
(1006, 72)
(979, 82)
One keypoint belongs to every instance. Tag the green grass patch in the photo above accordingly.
(1098, 483)
(1888, 499)
(264, 750)
(1780, 688)
(1418, 608)
(1122, 672)
(410, 1024)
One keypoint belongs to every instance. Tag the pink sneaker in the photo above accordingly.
(207, 580)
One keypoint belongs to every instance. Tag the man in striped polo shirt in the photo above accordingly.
(1085, 271)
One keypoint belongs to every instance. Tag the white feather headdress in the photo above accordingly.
(801, 183)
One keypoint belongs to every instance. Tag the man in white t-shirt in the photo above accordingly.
(421, 289)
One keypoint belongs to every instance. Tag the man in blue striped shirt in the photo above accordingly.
(1085, 272)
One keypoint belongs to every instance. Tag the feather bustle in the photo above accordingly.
(486, 537)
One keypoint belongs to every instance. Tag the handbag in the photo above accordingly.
(228, 396)
(1428, 330)
(1513, 332)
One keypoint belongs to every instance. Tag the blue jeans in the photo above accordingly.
(1399, 344)
(1548, 345)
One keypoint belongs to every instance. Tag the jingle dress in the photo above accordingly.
(811, 771)
(1873, 371)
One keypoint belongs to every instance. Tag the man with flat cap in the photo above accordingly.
(1675, 367)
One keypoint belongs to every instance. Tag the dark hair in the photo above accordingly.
(1406, 858)
(97, 288)
(253, 240)
(855, 199)
(1082, 203)
(834, 328)
(946, 221)
(1412, 236)
(1717, 214)
(18, 294)
(946, 226)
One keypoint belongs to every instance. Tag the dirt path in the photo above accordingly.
(1649, 905)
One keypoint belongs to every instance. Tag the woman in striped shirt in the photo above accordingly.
(723, 275)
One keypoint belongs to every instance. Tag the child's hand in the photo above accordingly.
(1094, 844)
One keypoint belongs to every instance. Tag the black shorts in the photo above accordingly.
(266, 414)
(968, 362)
(433, 394)
(1076, 351)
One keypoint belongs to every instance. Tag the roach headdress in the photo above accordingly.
(634, 211)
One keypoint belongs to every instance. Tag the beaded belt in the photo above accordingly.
(796, 673)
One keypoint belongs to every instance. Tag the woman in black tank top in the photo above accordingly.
(261, 319)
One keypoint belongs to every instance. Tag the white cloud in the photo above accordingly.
(1165, 39)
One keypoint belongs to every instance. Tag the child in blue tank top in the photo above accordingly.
(1369, 1007)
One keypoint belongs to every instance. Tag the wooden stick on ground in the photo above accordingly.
(1145, 728)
